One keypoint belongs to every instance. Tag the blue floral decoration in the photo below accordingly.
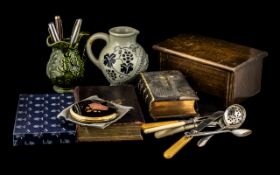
(109, 59)
(127, 56)
(126, 68)
(111, 74)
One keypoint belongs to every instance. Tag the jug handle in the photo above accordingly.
(99, 35)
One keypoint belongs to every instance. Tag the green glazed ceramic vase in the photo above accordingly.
(65, 67)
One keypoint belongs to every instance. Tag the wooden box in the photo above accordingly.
(225, 70)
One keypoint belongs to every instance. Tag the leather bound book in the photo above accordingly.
(167, 94)
(227, 71)
(127, 128)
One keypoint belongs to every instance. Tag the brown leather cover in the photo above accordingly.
(167, 94)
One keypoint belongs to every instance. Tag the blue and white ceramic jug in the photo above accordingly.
(122, 58)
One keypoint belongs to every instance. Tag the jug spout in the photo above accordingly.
(123, 35)
(123, 31)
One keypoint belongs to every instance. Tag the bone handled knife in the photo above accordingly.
(172, 124)
(167, 126)
(177, 146)
(172, 131)
(156, 124)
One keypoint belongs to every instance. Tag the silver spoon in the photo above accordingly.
(233, 118)
(236, 132)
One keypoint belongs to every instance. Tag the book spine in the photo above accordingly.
(146, 92)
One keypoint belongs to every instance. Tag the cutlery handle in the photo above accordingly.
(206, 133)
(168, 126)
(202, 142)
(75, 31)
(176, 147)
(172, 131)
(156, 124)
(53, 32)
(58, 26)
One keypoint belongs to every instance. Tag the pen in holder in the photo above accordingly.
(65, 67)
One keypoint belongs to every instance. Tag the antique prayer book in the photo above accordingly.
(127, 128)
(167, 94)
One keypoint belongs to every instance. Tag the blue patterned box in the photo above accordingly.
(37, 123)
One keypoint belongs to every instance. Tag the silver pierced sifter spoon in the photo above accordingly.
(233, 118)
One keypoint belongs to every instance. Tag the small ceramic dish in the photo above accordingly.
(93, 111)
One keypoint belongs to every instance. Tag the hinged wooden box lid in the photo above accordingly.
(220, 68)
